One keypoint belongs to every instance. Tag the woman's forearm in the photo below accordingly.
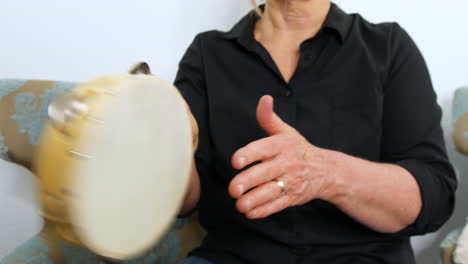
(384, 197)
(192, 194)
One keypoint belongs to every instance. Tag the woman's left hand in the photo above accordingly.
(286, 158)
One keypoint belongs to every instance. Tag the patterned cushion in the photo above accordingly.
(48, 250)
(23, 113)
(460, 119)
(448, 245)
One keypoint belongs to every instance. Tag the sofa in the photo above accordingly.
(23, 114)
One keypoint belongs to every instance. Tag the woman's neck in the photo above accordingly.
(295, 20)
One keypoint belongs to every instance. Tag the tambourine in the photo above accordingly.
(113, 163)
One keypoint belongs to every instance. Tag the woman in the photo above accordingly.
(349, 164)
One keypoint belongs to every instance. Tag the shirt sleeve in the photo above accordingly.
(412, 136)
(190, 81)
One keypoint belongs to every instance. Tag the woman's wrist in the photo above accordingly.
(338, 169)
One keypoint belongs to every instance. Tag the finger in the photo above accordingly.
(260, 150)
(268, 119)
(258, 196)
(254, 176)
(270, 208)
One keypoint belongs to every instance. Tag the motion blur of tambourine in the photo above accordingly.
(114, 161)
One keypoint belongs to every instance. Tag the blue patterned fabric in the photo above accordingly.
(460, 105)
(33, 251)
(7, 87)
(31, 120)
(451, 239)
(37, 251)
(170, 247)
(30, 112)
(3, 149)
(76, 255)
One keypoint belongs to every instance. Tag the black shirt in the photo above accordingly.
(359, 88)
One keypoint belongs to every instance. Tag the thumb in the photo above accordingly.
(268, 119)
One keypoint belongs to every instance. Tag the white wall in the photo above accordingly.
(77, 40)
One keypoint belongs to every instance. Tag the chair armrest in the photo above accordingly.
(460, 119)
(448, 245)
(17, 181)
(19, 215)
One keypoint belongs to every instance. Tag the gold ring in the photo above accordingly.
(281, 184)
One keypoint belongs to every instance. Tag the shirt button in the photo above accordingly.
(288, 93)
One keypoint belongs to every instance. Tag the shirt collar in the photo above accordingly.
(336, 19)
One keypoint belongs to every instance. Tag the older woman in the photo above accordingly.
(343, 166)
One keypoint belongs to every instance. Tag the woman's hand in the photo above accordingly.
(286, 158)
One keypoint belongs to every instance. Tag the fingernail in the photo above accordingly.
(241, 161)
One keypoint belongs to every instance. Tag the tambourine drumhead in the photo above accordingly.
(131, 165)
